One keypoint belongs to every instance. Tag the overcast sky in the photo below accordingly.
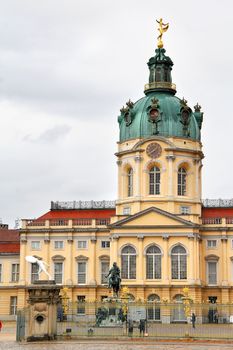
(67, 67)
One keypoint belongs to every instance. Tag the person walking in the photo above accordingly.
(142, 327)
(0, 325)
(193, 319)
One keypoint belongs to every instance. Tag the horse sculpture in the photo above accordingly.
(114, 280)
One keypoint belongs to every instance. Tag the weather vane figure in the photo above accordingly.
(162, 29)
(40, 263)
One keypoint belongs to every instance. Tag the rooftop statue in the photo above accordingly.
(162, 29)
(40, 263)
(114, 279)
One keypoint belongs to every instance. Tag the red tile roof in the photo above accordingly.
(78, 214)
(9, 241)
(217, 212)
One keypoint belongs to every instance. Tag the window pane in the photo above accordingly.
(132, 267)
(212, 272)
(124, 266)
(58, 267)
(81, 305)
(15, 273)
(13, 305)
(82, 272)
(174, 266)
(34, 272)
(104, 271)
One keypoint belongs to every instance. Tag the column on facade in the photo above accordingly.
(197, 260)
(137, 176)
(47, 250)
(165, 260)
(140, 262)
(23, 278)
(170, 159)
(69, 262)
(224, 261)
(120, 183)
(93, 261)
(114, 250)
(192, 261)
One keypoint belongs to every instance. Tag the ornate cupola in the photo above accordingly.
(160, 112)
(159, 151)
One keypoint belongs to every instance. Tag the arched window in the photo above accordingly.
(153, 262)
(153, 310)
(178, 311)
(130, 182)
(181, 186)
(154, 180)
(179, 263)
(128, 263)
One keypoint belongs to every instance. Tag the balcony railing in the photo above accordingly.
(82, 222)
(212, 221)
(59, 222)
(67, 222)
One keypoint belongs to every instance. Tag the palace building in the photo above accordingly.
(160, 232)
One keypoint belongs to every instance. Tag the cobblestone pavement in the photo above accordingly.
(106, 345)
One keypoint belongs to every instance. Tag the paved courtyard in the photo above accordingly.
(98, 345)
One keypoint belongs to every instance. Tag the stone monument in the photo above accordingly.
(43, 297)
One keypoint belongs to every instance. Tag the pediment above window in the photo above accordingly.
(104, 257)
(58, 258)
(81, 257)
(212, 257)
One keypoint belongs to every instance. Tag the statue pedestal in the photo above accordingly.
(43, 297)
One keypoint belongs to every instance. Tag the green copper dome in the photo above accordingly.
(160, 112)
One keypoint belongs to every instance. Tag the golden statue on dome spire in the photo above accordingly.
(162, 29)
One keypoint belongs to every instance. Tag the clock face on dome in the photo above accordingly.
(154, 150)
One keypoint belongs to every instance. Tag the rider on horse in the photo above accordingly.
(114, 274)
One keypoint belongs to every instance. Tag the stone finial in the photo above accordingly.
(197, 107)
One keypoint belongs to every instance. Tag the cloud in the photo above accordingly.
(50, 135)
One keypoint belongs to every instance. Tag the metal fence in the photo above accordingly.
(159, 320)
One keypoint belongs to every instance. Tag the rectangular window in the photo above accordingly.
(184, 210)
(15, 273)
(34, 272)
(13, 305)
(126, 211)
(82, 266)
(81, 305)
(211, 243)
(212, 272)
(82, 244)
(105, 244)
(35, 245)
(58, 244)
(0, 272)
(104, 271)
(58, 272)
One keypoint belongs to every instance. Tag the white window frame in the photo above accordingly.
(101, 270)
(35, 248)
(34, 274)
(59, 262)
(86, 269)
(126, 211)
(15, 273)
(79, 307)
(102, 242)
(13, 305)
(207, 271)
(185, 210)
(211, 246)
(58, 242)
(82, 240)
